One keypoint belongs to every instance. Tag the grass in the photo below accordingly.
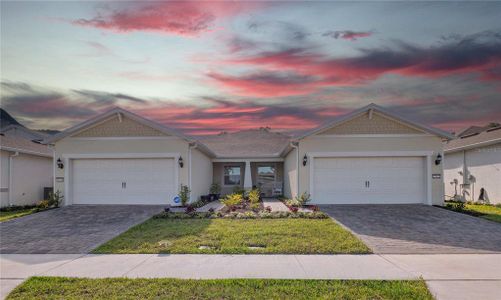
(6, 215)
(489, 212)
(164, 288)
(228, 236)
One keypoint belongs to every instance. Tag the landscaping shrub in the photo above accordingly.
(184, 194)
(254, 196)
(233, 200)
(244, 215)
(215, 189)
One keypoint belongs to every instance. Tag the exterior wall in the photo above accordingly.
(113, 127)
(373, 144)
(68, 147)
(453, 164)
(30, 174)
(201, 174)
(378, 124)
(483, 170)
(217, 176)
(290, 174)
(4, 178)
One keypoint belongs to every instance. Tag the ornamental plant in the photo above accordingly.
(215, 189)
(184, 194)
(232, 200)
(254, 196)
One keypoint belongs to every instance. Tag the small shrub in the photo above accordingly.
(254, 206)
(232, 200)
(211, 210)
(44, 204)
(456, 205)
(250, 215)
(315, 208)
(254, 196)
(215, 189)
(184, 194)
(55, 199)
(294, 209)
(303, 198)
(238, 190)
(267, 209)
(293, 202)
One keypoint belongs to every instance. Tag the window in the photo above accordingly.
(232, 175)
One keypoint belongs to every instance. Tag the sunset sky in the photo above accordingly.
(204, 67)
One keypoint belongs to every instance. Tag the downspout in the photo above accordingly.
(465, 176)
(10, 175)
(295, 145)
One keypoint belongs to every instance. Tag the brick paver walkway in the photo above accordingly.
(417, 229)
(70, 229)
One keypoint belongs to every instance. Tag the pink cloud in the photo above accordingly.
(185, 18)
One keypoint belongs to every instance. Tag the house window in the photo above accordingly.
(232, 175)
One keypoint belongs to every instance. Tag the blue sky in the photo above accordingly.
(203, 67)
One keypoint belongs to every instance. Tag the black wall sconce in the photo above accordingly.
(305, 160)
(180, 162)
(438, 160)
(60, 164)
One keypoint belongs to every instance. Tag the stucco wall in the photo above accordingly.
(201, 174)
(217, 176)
(373, 144)
(453, 164)
(290, 174)
(483, 165)
(4, 178)
(67, 147)
(30, 174)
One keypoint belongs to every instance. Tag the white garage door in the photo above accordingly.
(123, 181)
(369, 180)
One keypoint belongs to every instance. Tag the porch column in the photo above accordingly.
(248, 176)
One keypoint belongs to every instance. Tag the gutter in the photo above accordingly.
(11, 160)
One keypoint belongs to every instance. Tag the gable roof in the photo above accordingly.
(118, 110)
(342, 119)
(23, 145)
(247, 143)
(36, 134)
(489, 136)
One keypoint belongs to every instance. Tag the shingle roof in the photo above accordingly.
(247, 143)
(488, 136)
(16, 143)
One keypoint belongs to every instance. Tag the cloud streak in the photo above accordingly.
(348, 34)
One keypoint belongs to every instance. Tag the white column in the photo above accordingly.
(248, 176)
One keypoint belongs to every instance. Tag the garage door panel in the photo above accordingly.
(363, 180)
(146, 181)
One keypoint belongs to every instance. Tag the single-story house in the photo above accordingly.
(26, 168)
(472, 165)
(371, 155)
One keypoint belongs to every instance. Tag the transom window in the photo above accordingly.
(232, 175)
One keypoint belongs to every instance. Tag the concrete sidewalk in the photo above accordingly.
(472, 276)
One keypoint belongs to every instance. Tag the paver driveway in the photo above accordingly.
(70, 229)
(417, 229)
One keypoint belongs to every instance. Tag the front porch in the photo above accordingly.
(265, 174)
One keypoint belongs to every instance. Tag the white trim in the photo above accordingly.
(11, 167)
(371, 135)
(474, 145)
(242, 159)
(68, 162)
(427, 154)
(122, 138)
(369, 153)
(122, 155)
(25, 151)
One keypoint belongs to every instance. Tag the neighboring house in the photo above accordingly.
(23, 132)
(472, 165)
(26, 169)
(368, 156)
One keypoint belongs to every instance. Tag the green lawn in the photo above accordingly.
(489, 212)
(287, 236)
(164, 288)
(12, 214)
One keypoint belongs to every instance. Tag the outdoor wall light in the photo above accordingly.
(60, 164)
(180, 161)
(438, 159)
(305, 160)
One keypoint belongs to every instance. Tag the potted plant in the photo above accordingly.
(214, 192)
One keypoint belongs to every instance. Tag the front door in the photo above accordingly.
(266, 178)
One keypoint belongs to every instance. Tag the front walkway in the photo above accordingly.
(440, 271)
(71, 229)
(417, 229)
(275, 204)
